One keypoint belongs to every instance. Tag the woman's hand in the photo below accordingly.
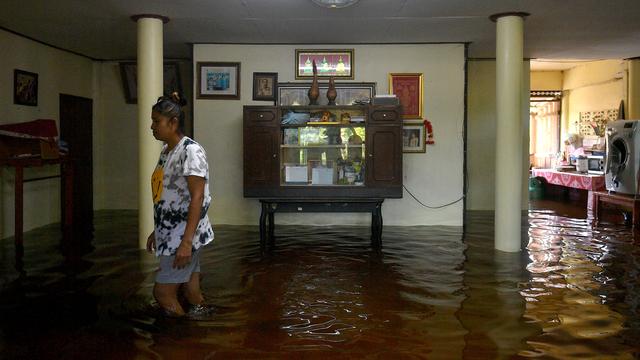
(183, 255)
(151, 242)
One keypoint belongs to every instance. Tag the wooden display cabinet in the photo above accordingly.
(322, 152)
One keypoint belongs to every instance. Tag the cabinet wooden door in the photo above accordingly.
(261, 169)
(384, 156)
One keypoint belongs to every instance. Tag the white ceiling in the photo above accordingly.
(556, 29)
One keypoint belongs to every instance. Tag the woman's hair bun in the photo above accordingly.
(178, 99)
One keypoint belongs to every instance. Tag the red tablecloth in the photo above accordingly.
(571, 179)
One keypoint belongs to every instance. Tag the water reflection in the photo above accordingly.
(493, 308)
(322, 292)
(569, 293)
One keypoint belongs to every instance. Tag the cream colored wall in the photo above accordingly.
(116, 138)
(58, 72)
(481, 133)
(592, 86)
(633, 105)
(546, 80)
(434, 177)
(114, 128)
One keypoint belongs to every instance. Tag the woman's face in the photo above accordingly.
(162, 126)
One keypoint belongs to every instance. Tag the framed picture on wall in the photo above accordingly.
(408, 88)
(25, 88)
(265, 86)
(336, 63)
(129, 73)
(413, 137)
(218, 80)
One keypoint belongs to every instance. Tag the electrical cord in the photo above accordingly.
(431, 207)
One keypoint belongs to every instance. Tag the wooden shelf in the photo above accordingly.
(324, 124)
(321, 146)
(325, 107)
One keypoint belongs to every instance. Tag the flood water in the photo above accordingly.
(430, 292)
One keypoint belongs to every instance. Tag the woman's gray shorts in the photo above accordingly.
(168, 275)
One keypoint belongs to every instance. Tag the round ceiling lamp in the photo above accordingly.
(335, 4)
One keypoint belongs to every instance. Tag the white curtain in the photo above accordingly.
(544, 132)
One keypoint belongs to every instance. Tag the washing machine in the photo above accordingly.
(623, 156)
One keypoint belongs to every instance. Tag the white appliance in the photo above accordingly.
(623, 156)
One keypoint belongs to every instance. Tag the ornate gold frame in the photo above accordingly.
(419, 95)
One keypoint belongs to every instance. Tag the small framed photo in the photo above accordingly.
(218, 80)
(413, 137)
(336, 63)
(25, 88)
(129, 73)
(408, 88)
(265, 86)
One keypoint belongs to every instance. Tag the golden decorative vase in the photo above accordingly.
(331, 92)
(314, 91)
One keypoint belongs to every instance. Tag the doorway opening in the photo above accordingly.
(76, 129)
(544, 128)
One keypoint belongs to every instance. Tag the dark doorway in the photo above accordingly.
(76, 129)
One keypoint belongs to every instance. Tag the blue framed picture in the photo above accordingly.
(218, 80)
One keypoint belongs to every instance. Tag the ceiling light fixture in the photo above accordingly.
(335, 4)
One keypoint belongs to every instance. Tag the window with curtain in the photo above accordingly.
(544, 128)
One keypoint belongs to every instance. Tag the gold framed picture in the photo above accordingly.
(329, 63)
(408, 88)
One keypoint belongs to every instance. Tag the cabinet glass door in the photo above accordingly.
(322, 146)
(329, 155)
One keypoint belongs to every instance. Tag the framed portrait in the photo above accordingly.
(129, 73)
(25, 88)
(336, 63)
(218, 80)
(292, 94)
(408, 88)
(413, 137)
(265, 86)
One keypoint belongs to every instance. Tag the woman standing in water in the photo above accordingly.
(180, 188)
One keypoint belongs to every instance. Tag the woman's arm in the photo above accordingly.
(196, 190)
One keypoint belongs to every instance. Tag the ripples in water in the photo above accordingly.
(320, 292)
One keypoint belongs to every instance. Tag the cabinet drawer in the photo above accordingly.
(261, 117)
(384, 116)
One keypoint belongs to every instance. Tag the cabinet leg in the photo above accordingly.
(379, 224)
(376, 228)
(373, 227)
(263, 225)
(596, 209)
(271, 227)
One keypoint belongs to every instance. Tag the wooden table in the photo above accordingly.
(66, 172)
(571, 179)
(574, 180)
(629, 202)
(270, 206)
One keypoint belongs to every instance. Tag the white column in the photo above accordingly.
(509, 144)
(633, 104)
(150, 60)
